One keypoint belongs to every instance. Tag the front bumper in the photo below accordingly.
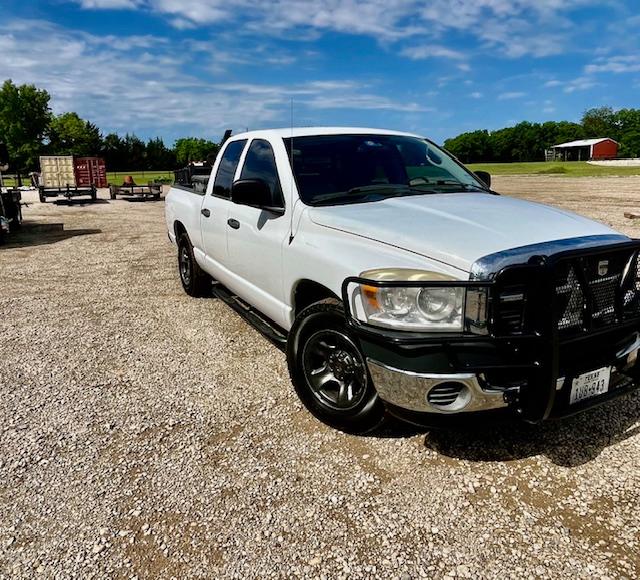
(530, 372)
(424, 394)
(460, 392)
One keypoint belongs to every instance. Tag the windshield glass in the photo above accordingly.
(336, 169)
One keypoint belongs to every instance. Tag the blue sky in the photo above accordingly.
(174, 68)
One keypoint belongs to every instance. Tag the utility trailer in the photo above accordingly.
(67, 191)
(149, 191)
(10, 211)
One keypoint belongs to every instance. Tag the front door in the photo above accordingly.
(213, 216)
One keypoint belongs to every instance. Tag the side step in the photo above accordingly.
(268, 328)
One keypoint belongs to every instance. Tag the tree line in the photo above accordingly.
(528, 141)
(29, 129)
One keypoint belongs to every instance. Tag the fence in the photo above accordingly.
(115, 177)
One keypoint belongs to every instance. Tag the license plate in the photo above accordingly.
(590, 385)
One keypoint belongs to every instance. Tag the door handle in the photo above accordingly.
(205, 212)
(235, 224)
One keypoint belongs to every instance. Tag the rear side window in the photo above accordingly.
(227, 168)
(260, 163)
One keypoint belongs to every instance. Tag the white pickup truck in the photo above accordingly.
(403, 284)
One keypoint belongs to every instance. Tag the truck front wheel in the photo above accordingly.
(195, 281)
(329, 372)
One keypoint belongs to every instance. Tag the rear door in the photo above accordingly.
(215, 206)
(256, 236)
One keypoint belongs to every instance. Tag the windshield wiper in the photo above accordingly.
(361, 191)
(449, 182)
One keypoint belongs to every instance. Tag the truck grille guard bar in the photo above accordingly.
(538, 342)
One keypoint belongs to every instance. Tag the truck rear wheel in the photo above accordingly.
(195, 281)
(329, 372)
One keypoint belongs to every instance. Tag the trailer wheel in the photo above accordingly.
(112, 191)
(94, 194)
(195, 281)
(43, 198)
(329, 371)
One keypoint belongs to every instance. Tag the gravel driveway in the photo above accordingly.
(148, 434)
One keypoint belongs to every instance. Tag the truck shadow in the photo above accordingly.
(33, 234)
(74, 202)
(139, 199)
(568, 442)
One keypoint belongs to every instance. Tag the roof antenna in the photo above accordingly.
(291, 182)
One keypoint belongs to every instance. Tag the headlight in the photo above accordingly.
(435, 308)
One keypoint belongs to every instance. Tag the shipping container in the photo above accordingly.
(57, 171)
(90, 171)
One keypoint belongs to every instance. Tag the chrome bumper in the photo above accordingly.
(410, 390)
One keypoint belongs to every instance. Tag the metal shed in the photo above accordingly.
(583, 150)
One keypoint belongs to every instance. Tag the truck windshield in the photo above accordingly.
(338, 169)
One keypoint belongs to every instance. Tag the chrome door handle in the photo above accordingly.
(205, 212)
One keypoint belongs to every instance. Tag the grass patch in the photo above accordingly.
(114, 177)
(553, 170)
(565, 168)
(140, 177)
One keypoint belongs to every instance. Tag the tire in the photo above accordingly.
(195, 281)
(43, 198)
(94, 194)
(340, 392)
(112, 192)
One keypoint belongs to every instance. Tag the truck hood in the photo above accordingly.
(457, 228)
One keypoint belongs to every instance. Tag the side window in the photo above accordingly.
(260, 163)
(227, 168)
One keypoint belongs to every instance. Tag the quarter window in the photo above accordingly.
(227, 168)
(260, 163)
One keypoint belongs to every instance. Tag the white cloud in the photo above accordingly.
(143, 85)
(431, 51)
(579, 84)
(476, 95)
(615, 64)
(511, 95)
(512, 27)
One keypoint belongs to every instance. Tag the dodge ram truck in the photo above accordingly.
(403, 285)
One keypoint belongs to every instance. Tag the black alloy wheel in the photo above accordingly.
(329, 372)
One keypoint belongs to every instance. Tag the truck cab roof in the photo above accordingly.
(283, 133)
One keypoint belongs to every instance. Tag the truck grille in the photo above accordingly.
(593, 292)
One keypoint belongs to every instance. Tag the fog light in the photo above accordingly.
(449, 396)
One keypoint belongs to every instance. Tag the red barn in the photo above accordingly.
(585, 149)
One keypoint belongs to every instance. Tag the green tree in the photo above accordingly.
(135, 152)
(630, 144)
(190, 149)
(24, 118)
(114, 152)
(601, 122)
(159, 156)
(472, 147)
(71, 135)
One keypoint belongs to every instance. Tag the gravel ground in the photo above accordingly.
(148, 434)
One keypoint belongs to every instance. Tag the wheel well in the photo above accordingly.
(308, 292)
(179, 229)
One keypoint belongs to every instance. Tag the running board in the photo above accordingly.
(269, 329)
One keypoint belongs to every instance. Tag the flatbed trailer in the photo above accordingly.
(67, 191)
(151, 190)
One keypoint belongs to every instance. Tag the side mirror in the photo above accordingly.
(485, 177)
(254, 193)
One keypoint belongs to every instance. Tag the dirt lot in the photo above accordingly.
(145, 433)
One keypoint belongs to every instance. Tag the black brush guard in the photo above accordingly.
(534, 357)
